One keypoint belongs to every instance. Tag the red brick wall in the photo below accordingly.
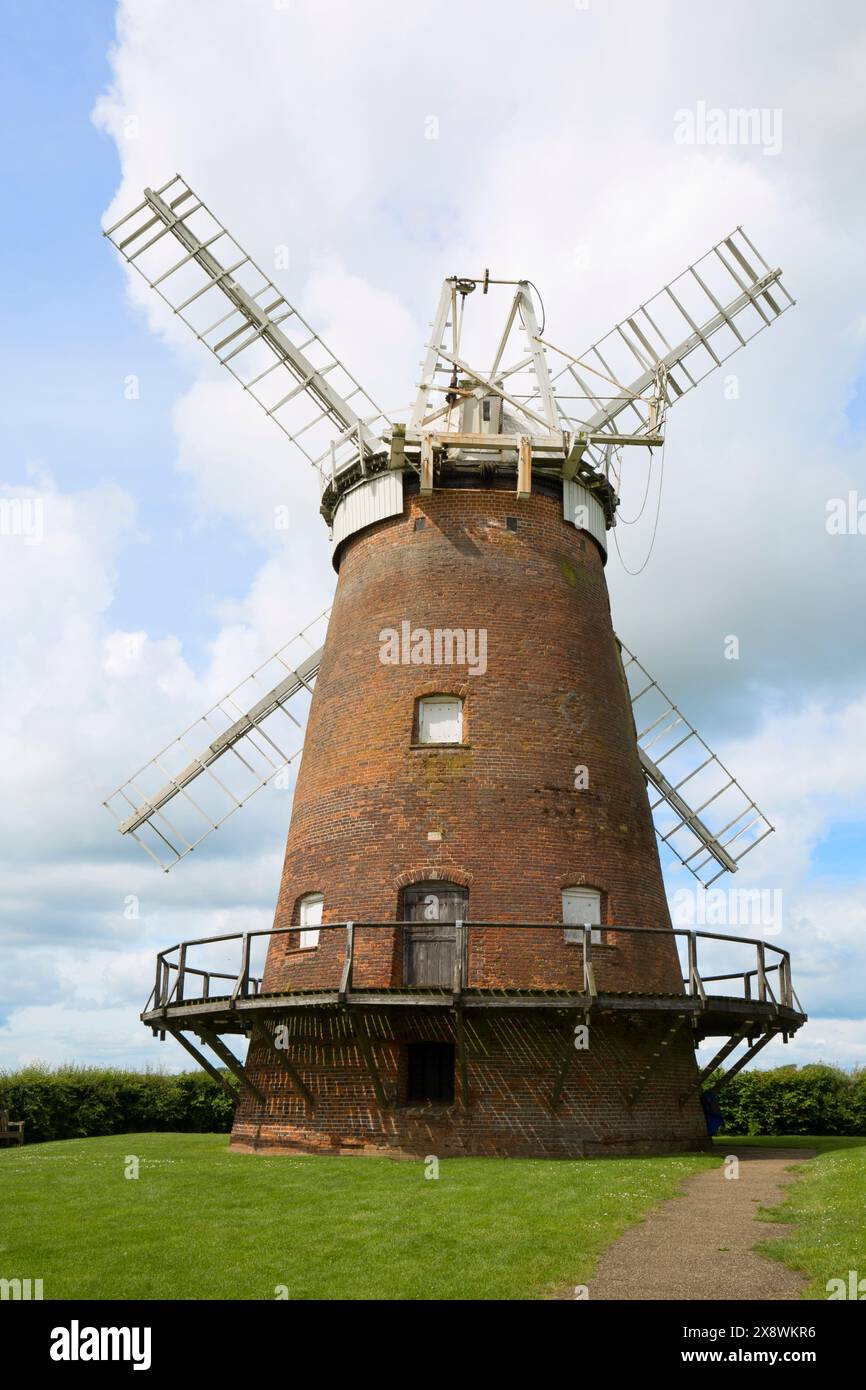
(512, 1064)
(514, 829)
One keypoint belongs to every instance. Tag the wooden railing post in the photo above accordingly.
(792, 996)
(348, 960)
(696, 984)
(242, 987)
(157, 988)
(762, 973)
(786, 984)
(588, 972)
(181, 972)
(457, 973)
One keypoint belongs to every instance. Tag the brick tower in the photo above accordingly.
(472, 952)
(488, 817)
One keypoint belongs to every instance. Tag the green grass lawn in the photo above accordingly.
(827, 1207)
(201, 1222)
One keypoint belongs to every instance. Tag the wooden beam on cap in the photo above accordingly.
(524, 467)
(426, 465)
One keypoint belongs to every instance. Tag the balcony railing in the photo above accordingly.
(766, 977)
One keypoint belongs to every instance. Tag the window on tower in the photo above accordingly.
(310, 919)
(439, 719)
(431, 1072)
(581, 907)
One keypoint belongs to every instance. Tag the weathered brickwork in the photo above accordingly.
(512, 1065)
(510, 825)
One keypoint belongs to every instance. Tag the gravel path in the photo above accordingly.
(699, 1245)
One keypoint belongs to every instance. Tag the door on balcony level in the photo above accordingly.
(430, 939)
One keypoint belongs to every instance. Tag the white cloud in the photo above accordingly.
(803, 770)
(82, 700)
(55, 1034)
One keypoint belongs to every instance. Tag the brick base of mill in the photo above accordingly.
(528, 1091)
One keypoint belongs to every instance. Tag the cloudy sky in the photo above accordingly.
(378, 147)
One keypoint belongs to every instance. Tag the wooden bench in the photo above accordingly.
(11, 1130)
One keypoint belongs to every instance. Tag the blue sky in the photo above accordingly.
(70, 331)
(308, 127)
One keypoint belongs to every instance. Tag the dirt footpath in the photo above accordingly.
(699, 1245)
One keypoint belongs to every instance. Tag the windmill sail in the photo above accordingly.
(685, 332)
(253, 733)
(699, 809)
(236, 310)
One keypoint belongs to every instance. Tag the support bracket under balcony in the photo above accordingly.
(654, 1060)
(260, 1034)
(566, 1056)
(228, 1058)
(460, 1034)
(212, 1071)
(360, 1038)
(746, 1057)
(725, 1051)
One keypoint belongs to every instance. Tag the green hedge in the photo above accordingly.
(815, 1099)
(82, 1102)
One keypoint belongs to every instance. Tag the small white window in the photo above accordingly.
(311, 917)
(440, 719)
(581, 907)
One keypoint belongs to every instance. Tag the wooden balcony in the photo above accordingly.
(187, 989)
(193, 993)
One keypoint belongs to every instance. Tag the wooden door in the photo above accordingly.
(429, 943)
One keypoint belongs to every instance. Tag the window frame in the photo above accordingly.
(416, 1046)
(418, 722)
(573, 931)
(311, 929)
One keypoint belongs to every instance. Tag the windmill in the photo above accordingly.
(471, 875)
